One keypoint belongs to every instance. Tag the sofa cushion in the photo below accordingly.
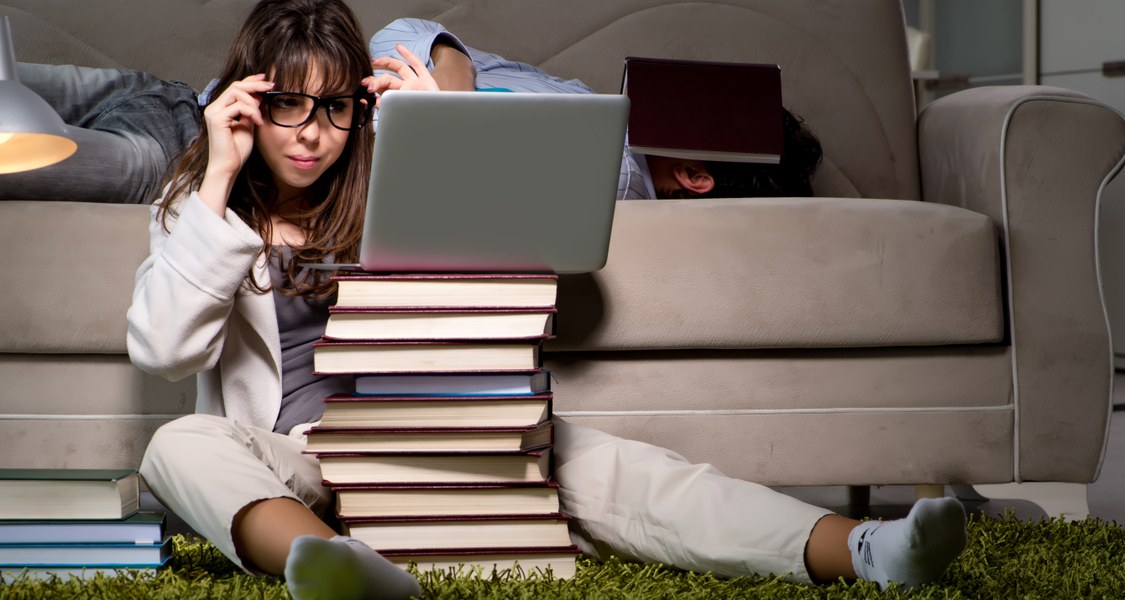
(787, 272)
(744, 273)
(68, 274)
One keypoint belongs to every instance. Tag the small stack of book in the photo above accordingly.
(442, 457)
(76, 523)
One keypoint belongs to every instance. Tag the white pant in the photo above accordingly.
(628, 498)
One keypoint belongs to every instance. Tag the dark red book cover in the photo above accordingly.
(498, 454)
(366, 276)
(443, 310)
(347, 439)
(337, 487)
(548, 396)
(555, 516)
(704, 110)
(484, 551)
(441, 343)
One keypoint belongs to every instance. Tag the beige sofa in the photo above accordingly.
(933, 316)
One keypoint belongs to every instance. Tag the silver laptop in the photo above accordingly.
(493, 182)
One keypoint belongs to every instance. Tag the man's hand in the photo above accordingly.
(411, 75)
(453, 71)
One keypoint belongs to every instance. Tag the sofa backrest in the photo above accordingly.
(845, 66)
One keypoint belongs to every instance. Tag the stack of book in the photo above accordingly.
(76, 523)
(442, 457)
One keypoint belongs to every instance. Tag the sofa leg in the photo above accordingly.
(859, 496)
(1066, 500)
(967, 493)
(929, 491)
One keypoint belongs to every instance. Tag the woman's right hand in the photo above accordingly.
(230, 120)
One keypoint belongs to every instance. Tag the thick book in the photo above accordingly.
(358, 357)
(435, 467)
(462, 531)
(84, 555)
(139, 528)
(446, 290)
(68, 493)
(559, 562)
(435, 500)
(347, 323)
(323, 440)
(454, 384)
(704, 110)
(436, 411)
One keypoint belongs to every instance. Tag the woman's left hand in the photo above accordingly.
(412, 74)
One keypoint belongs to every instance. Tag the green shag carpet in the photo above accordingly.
(1006, 558)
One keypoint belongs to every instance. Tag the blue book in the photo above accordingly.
(84, 555)
(454, 384)
(15, 573)
(140, 528)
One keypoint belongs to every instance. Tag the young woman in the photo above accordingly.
(277, 178)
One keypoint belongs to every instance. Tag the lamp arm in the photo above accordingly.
(7, 52)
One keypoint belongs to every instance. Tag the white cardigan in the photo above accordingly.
(193, 312)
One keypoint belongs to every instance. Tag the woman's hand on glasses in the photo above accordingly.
(230, 120)
(412, 74)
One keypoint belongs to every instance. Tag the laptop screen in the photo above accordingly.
(497, 182)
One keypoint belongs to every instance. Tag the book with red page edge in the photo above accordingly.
(436, 290)
(357, 357)
(390, 500)
(435, 467)
(704, 110)
(432, 439)
(342, 410)
(480, 383)
(453, 324)
(559, 561)
(460, 531)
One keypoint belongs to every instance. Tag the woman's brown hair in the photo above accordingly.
(291, 40)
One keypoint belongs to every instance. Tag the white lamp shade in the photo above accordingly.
(32, 135)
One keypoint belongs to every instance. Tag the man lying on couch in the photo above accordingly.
(129, 125)
(457, 67)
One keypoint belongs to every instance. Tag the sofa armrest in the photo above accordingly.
(1036, 159)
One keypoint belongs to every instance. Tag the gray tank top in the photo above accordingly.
(301, 323)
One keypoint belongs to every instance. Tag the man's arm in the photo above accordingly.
(491, 71)
(446, 57)
(453, 70)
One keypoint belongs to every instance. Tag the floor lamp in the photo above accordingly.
(32, 134)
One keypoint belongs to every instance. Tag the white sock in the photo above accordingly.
(912, 550)
(344, 568)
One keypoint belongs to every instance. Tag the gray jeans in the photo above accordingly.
(128, 125)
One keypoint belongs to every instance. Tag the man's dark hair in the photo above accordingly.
(800, 158)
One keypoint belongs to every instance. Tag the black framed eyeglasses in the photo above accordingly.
(294, 109)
